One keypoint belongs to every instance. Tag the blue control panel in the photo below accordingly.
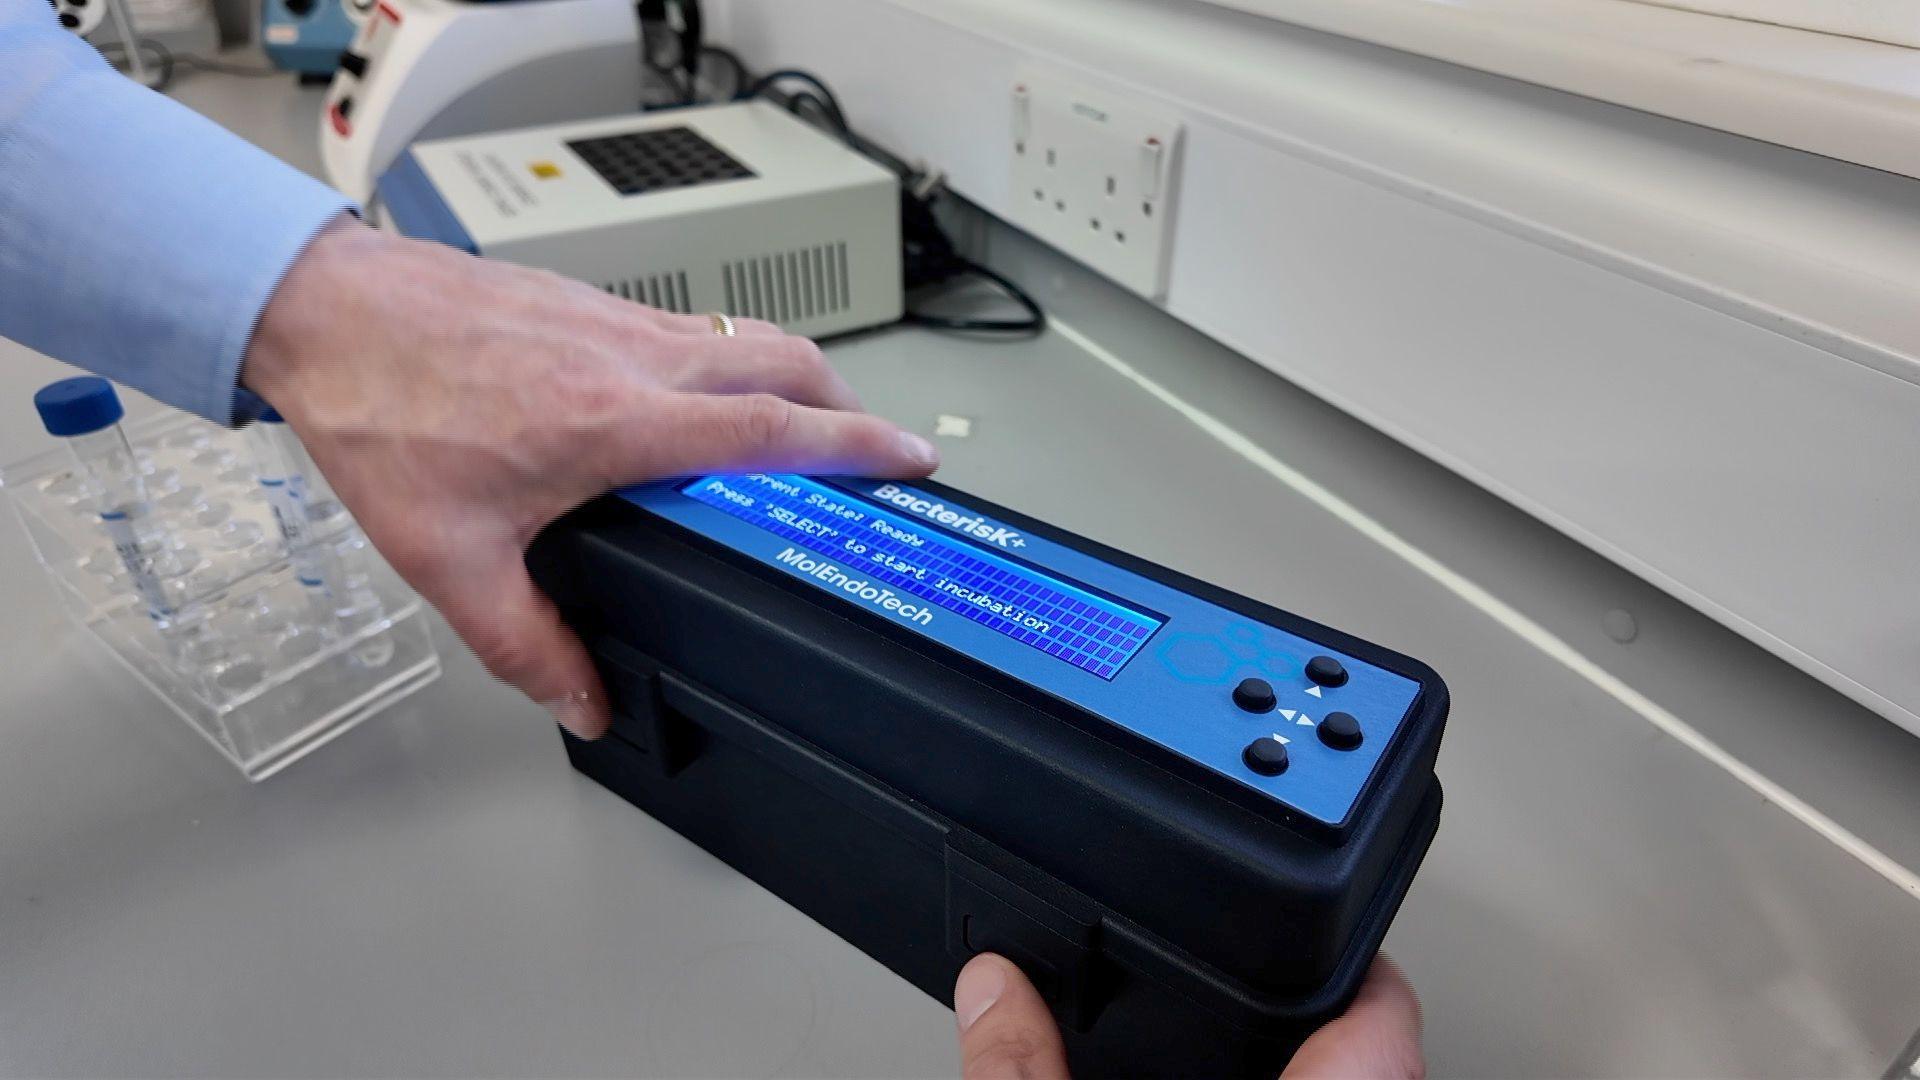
(893, 553)
(1269, 710)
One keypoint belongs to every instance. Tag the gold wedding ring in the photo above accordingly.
(723, 324)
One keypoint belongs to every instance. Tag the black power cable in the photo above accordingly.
(669, 52)
(165, 62)
(1033, 322)
(221, 67)
(768, 81)
(736, 79)
(157, 54)
(929, 258)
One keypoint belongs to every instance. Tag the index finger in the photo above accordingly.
(697, 433)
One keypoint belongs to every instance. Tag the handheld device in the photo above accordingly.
(939, 728)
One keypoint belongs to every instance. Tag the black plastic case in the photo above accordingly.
(927, 808)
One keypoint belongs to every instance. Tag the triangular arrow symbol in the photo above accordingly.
(1288, 713)
(1305, 719)
(1283, 739)
(1314, 690)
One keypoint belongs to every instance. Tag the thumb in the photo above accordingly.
(1377, 1039)
(518, 634)
(1005, 1028)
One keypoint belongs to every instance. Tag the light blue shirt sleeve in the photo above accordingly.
(138, 240)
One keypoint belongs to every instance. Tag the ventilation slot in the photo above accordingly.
(789, 287)
(668, 292)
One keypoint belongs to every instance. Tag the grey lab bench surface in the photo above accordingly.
(1661, 856)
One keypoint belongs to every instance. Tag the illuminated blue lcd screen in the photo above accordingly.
(883, 559)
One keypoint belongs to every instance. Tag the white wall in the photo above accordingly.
(1694, 352)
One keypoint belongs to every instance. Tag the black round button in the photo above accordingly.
(69, 20)
(1254, 695)
(1340, 730)
(1268, 757)
(1326, 671)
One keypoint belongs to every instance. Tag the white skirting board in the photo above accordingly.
(1693, 352)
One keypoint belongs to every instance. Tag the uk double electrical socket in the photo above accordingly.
(1095, 172)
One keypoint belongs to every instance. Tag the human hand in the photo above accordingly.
(1006, 1030)
(458, 406)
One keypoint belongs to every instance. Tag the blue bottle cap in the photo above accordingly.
(78, 405)
(271, 415)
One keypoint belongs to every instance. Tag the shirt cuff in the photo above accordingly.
(142, 240)
(243, 405)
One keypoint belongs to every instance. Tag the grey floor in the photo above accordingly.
(436, 894)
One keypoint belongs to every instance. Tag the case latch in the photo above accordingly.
(998, 904)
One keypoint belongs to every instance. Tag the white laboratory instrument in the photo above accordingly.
(84, 18)
(176, 26)
(421, 68)
(738, 208)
